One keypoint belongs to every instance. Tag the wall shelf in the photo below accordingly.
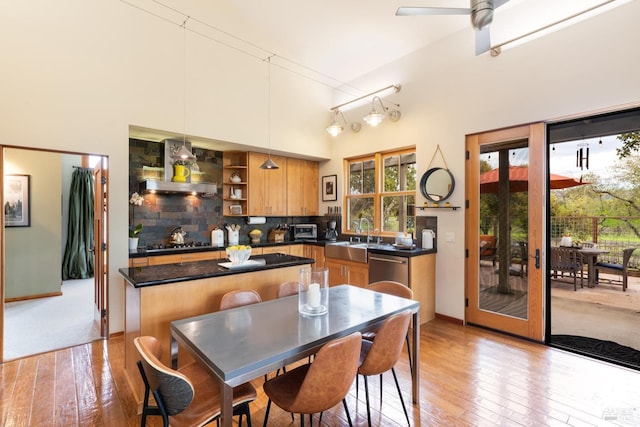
(438, 207)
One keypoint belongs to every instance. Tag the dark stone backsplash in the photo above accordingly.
(198, 216)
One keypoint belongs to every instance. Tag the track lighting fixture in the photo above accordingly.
(334, 128)
(374, 118)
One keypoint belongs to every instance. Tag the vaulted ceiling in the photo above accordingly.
(345, 39)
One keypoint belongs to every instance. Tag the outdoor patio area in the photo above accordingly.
(603, 312)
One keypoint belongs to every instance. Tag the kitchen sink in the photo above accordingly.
(349, 251)
(387, 246)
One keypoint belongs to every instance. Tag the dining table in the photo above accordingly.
(591, 254)
(244, 343)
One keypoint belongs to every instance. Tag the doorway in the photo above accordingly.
(596, 221)
(32, 283)
(504, 230)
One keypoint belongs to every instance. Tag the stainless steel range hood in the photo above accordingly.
(167, 186)
(170, 187)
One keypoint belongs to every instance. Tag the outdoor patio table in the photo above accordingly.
(591, 254)
(244, 343)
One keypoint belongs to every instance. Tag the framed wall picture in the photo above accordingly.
(16, 201)
(329, 188)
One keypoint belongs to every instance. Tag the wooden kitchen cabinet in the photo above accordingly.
(186, 257)
(302, 187)
(298, 250)
(316, 253)
(280, 249)
(347, 272)
(267, 195)
(138, 262)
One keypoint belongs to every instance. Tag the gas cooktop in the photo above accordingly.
(158, 247)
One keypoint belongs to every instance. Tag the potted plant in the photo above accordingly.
(135, 200)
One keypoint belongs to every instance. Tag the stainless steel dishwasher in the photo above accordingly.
(388, 267)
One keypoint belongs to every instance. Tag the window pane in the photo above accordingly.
(399, 173)
(409, 165)
(392, 173)
(362, 178)
(357, 209)
(396, 214)
(369, 183)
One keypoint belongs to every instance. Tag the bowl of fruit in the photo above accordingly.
(255, 235)
(238, 254)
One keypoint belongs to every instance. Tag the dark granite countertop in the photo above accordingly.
(172, 273)
(387, 249)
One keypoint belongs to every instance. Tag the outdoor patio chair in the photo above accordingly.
(619, 269)
(567, 260)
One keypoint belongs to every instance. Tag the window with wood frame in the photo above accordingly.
(381, 193)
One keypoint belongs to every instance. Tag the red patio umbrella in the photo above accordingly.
(519, 180)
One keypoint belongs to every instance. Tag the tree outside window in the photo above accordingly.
(381, 193)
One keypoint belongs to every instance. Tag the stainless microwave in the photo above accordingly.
(305, 231)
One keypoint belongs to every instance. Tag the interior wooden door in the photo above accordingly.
(101, 267)
(504, 230)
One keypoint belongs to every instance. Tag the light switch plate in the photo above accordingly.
(450, 236)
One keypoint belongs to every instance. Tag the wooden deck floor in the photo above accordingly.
(469, 377)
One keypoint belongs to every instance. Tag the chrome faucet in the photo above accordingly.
(368, 227)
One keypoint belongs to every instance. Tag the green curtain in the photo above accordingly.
(78, 253)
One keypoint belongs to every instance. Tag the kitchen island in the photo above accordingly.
(159, 294)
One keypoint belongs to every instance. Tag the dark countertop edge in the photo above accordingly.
(142, 253)
(218, 272)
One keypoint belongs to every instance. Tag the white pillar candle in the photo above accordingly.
(313, 297)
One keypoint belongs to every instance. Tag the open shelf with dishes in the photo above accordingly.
(235, 188)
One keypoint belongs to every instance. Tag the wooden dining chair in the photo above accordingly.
(288, 288)
(189, 396)
(567, 260)
(239, 298)
(619, 269)
(318, 386)
(383, 353)
(397, 289)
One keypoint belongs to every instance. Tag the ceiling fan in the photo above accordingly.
(481, 12)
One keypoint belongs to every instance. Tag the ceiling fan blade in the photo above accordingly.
(483, 41)
(417, 11)
(498, 3)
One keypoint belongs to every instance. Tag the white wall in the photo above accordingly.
(33, 254)
(78, 73)
(448, 93)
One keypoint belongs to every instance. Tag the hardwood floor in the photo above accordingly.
(469, 376)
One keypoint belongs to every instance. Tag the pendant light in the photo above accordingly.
(184, 153)
(269, 164)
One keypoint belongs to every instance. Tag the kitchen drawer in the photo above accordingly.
(187, 257)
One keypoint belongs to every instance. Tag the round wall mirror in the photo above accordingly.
(437, 184)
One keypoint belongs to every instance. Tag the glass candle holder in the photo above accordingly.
(313, 295)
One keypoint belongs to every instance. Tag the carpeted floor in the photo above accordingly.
(45, 324)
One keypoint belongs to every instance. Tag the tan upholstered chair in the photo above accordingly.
(239, 298)
(383, 353)
(620, 269)
(318, 386)
(188, 396)
(399, 290)
(288, 288)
